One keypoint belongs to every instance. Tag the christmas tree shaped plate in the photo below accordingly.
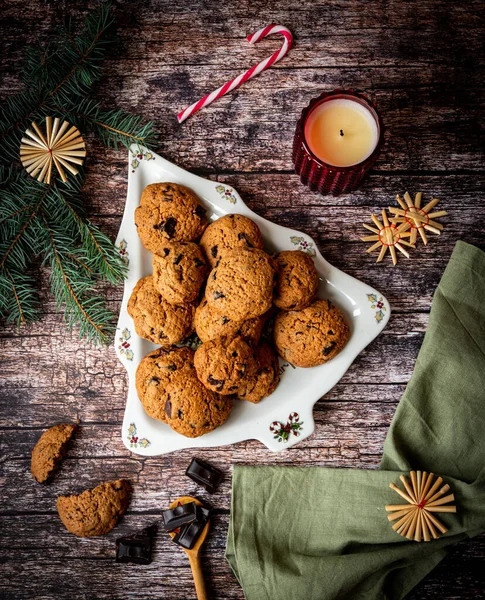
(284, 418)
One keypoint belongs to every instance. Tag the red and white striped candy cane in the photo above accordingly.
(252, 72)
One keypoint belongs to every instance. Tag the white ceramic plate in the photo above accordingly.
(285, 417)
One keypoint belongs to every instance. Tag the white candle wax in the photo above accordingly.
(341, 132)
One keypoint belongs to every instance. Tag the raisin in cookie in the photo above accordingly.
(156, 371)
(265, 379)
(179, 270)
(296, 280)
(96, 511)
(228, 233)
(312, 336)
(168, 212)
(211, 325)
(156, 319)
(50, 450)
(241, 286)
(192, 410)
(224, 364)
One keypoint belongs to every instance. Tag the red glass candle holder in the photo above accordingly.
(320, 176)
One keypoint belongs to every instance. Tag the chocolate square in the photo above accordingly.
(180, 515)
(136, 548)
(204, 474)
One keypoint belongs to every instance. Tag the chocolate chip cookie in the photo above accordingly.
(227, 233)
(156, 319)
(168, 212)
(192, 410)
(211, 325)
(50, 450)
(179, 270)
(96, 511)
(265, 379)
(241, 286)
(296, 280)
(312, 336)
(156, 371)
(224, 364)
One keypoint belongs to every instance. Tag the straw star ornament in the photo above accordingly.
(60, 147)
(387, 236)
(418, 220)
(416, 520)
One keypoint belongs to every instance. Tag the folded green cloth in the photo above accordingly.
(317, 534)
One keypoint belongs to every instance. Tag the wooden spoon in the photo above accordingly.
(193, 554)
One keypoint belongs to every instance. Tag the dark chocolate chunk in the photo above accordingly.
(234, 354)
(180, 414)
(217, 295)
(166, 251)
(200, 211)
(214, 251)
(136, 548)
(178, 516)
(217, 382)
(198, 263)
(189, 534)
(178, 259)
(326, 351)
(243, 236)
(204, 474)
(169, 226)
(203, 514)
(330, 332)
(168, 407)
(225, 320)
(153, 380)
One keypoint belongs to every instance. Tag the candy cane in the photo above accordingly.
(252, 72)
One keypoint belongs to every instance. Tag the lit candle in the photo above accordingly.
(337, 140)
(341, 132)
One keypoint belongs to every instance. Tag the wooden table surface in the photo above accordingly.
(422, 62)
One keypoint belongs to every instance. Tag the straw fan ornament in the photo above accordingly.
(416, 519)
(417, 219)
(387, 236)
(59, 147)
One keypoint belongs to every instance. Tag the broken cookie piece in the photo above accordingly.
(96, 511)
(50, 450)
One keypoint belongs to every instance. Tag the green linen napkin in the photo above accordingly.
(318, 534)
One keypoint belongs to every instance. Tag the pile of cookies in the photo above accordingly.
(226, 288)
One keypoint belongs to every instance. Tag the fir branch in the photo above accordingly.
(113, 127)
(49, 221)
(19, 299)
(102, 256)
(73, 289)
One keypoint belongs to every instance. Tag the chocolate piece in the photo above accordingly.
(203, 514)
(136, 548)
(204, 474)
(169, 226)
(200, 211)
(180, 515)
(189, 534)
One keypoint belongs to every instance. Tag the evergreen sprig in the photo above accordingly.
(46, 224)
